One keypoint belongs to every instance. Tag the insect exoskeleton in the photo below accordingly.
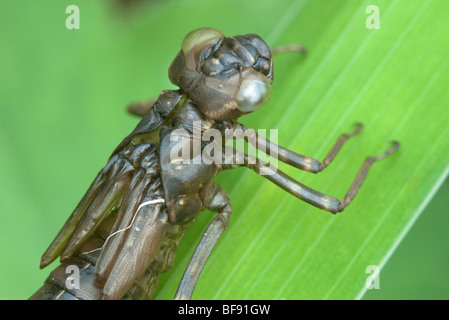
(124, 232)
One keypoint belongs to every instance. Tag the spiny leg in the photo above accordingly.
(363, 172)
(307, 194)
(295, 159)
(337, 147)
(289, 48)
(141, 108)
(219, 202)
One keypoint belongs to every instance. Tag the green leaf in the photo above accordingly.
(63, 98)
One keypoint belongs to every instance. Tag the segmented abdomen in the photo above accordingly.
(58, 287)
(63, 281)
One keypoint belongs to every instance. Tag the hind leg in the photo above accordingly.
(218, 202)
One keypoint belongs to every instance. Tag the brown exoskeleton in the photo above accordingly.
(126, 228)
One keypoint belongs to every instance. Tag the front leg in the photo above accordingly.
(305, 193)
(218, 201)
(292, 158)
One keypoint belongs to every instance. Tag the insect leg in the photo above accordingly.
(363, 172)
(289, 48)
(141, 108)
(295, 159)
(218, 202)
(309, 195)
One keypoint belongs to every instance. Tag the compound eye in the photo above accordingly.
(255, 90)
(195, 41)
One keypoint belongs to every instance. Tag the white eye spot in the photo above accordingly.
(254, 91)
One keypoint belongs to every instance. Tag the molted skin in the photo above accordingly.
(220, 79)
(125, 230)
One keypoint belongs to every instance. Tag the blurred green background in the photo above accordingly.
(418, 267)
(62, 112)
